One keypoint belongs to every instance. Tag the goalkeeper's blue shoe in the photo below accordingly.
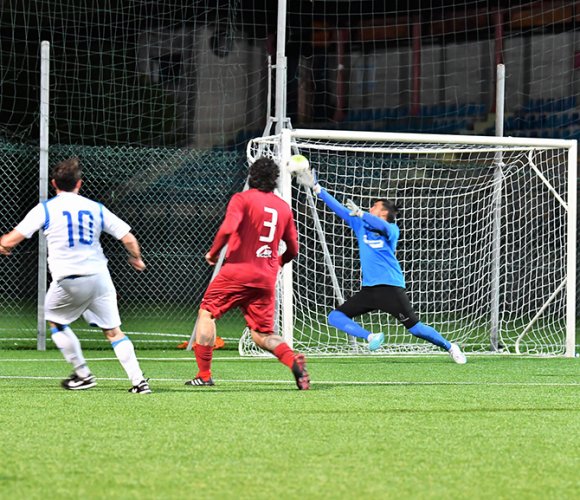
(376, 341)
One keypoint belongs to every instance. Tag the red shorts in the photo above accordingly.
(257, 304)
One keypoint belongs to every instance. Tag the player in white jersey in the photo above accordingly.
(81, 283)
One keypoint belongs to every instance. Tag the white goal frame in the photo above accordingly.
(283, 145)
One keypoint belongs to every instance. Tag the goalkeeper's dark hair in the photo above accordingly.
(389, 205)
(66, 174)
(264, 175)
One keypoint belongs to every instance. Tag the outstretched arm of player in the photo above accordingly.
(371, 220)
(308, 178)
(290, 238)
(334, 205)
(132, 246)
(9, 241)
(232, 219)
(34, 220)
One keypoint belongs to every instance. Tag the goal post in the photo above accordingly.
(448, 188)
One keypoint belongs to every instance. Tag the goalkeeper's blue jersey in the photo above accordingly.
(377, 241)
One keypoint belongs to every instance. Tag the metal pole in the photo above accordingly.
(571, 250)
(268, 126)
(284, 154)
(281, 67)
(43, 189)
(496, 210)
(287, 309)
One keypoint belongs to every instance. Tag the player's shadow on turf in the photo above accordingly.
(257, 388)
(9, 478)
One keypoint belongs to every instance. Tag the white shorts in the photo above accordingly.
(94, 297)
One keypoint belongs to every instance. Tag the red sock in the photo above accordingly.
(285, 354)
(203, 355)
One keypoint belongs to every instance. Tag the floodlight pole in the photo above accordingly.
(281, 68)
(496, 211)
(43, 189)
(285, 182)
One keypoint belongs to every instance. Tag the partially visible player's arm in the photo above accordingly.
(290, 237)
(120, 230)
(132, 246)
(232, 219)
(33, 221)
(389, 229)
(334, 205)
(9, 241)
(309, 179)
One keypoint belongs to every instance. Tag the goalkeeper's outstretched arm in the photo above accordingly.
(308, 178)
(334, 205)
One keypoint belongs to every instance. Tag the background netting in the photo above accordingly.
(446, 193)
(174, 199)
(193, 76)
(138, 72)
(424, 66)
(18, 273)
(195, 73)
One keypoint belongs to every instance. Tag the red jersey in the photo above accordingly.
(253, 226)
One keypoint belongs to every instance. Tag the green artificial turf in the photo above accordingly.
(401, 427)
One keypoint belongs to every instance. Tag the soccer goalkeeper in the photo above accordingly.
(383, 284)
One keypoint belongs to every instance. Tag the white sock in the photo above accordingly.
(69, 345)
(125, 353)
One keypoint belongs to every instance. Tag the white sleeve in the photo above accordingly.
(34, 220)
(113, 225)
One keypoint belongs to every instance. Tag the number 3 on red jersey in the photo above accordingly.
(271, 224)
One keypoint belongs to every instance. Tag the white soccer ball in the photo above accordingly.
(297, 164)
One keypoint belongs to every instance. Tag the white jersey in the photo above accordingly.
(73, 225)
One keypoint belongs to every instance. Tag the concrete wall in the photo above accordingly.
(468, 77)
(231, 90)
(552, 66)
(537, 67)
(216, 96)
(432, 67)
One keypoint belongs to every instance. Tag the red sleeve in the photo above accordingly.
(290, 237)
(232, 219)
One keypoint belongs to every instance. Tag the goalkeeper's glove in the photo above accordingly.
(355, 211)
(307, 178)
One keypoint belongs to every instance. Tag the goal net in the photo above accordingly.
(487, 240)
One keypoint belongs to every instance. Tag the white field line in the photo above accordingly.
(176, 336)
(361, 357)
(191, 357)
(103, 340)
(328, 382)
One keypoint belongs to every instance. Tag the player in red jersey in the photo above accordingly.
(256, 221)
